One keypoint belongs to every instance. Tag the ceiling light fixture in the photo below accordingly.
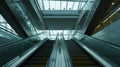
(113, 3)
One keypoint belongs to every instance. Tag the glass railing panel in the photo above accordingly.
(19, 59)
(5, 25)
(9, 51)
(6, 30)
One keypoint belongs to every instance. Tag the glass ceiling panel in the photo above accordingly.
(52, 5)
(61, 5)
(46, 5)
(70, 4)
(57, 5)
(81, 4)
(64, 4)
(75, 7)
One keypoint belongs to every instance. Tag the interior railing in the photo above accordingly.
(59, 56)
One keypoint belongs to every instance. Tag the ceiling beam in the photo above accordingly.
(35, 14)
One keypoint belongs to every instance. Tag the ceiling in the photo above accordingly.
(44, 13)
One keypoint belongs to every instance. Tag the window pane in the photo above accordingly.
(57, 5)
(46, 5)
(75, 6)
(52, 5)
(70, 4)
(81, 5)
(63, 6)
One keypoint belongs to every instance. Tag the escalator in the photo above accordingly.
(80, 58)
(10, 49)
(40, 57)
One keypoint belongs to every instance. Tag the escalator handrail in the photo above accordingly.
(17, 42)
(66, 54)
(24, 56)
(98, 57)
(53, 55)
(59, 48)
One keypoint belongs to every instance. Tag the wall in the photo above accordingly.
(61, 23)
(110, 33)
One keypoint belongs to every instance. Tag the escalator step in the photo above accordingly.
(40, 57)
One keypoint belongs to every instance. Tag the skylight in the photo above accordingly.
(61, 5)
